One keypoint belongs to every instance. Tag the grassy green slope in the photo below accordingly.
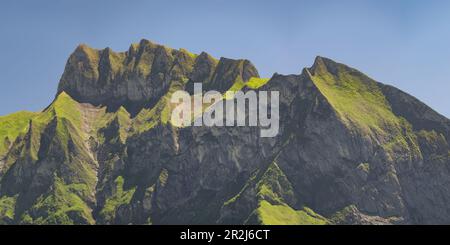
(356, 98)
(62, 205)
(64, 128)
(274, 197)
(11, 126)
(270, 214)
(7, 207)
(360, 104)
(273, 188)
(118, 198)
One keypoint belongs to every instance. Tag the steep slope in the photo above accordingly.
(353, 149)
(350, 150)
(11, 126)
(51, 167)
(267, 199)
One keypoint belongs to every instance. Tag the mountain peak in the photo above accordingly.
(322, 64)
(349, 149)
(230, 71)
(85, 53)
(139, 77)
(84, 47)
(146, 42)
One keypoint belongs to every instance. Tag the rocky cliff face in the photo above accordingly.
(350, 150)
(138, 78)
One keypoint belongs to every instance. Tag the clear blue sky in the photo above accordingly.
(405, 43)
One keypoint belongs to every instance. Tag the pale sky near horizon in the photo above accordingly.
(404, 43)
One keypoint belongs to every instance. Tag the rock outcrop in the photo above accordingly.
(138, 78)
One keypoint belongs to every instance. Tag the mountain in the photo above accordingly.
(350, 150)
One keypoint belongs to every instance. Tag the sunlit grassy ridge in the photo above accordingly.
(270, 214)
(273, 190)
(63, 205)
(360, 104)
(7, 207)
(143, 62)
(64, 112)
(92, 54)
(118, 198)
(11, 126)
(161, 113)
(66, 107)
(192, 55)
(68, 200)
(63, 124)
(104, 119)
(356, 98)
(72, 123)
(69, 125)
(252, 83)
(272, 209)
(267, 185)
(256, 82)
(69, 119)
(238, 85)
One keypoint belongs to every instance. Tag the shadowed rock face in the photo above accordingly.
(350, 150)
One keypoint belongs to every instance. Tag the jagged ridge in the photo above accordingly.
(350, 150)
